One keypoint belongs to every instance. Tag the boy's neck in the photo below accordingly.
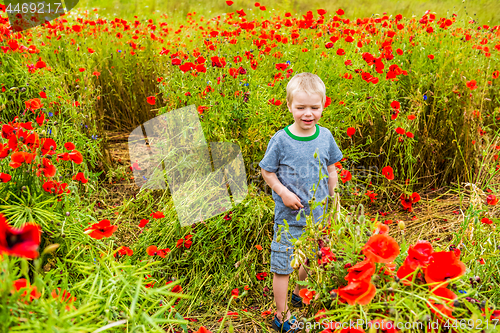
(296, 130)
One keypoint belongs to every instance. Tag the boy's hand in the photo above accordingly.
(291, 200)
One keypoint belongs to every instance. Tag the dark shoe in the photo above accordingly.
(297, 301)
(286, 326)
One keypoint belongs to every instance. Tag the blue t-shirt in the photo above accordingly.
(291, 157)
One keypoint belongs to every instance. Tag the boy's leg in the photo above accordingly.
(280, 290)
(302, 277)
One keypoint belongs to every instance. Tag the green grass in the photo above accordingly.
(484, 11)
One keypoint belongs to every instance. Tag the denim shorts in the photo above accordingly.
(282, 252)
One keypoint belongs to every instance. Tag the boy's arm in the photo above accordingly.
(273, 182)
(332, 184)
(290, 199)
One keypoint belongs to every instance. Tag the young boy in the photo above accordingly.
(290, 169)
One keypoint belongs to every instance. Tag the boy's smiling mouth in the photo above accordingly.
(308, 121)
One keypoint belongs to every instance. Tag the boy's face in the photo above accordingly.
(306, 109)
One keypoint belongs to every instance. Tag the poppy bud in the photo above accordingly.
(23, 188)
(333, 294)
(401, 225)
(295, 263)
(68, 213)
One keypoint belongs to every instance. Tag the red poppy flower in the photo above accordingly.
(484, 220)
(33, 104)
(471, 84)
(496, 74)
(203, 330)
(351, 131)
(40, 119)
(49, 146)
(48, 169)
(395, 105)
(143, 223)
(5, 178)
(326, 256)
(345, 176)
(20, 157)
(157, 215)
(151, 100)
(261, 276)
(19, 242)
(42, 94)
(179, 243)
(101, 229)
(80, 177)
(153, 251)
(363, 270)
(124, 250)
(235, 292)
(76, 157)
(229, 2)
(360, 292)
(187, 241)
(407, 202)
(63, 296)
(69, 146)
(447, 307)
(388, 172)
(404, 273)
(328, 101)
(419, 255)
(444, 266)
(371, 195)
(381, 248)
(400, 130)
(380, 229)
(32, 141)
(340, 52)
(64, 157)
(491, 200)
(23, 284)
(340, 12)
(494, 314)
(307, 295)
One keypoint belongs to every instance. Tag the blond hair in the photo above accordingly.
(307, 82)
